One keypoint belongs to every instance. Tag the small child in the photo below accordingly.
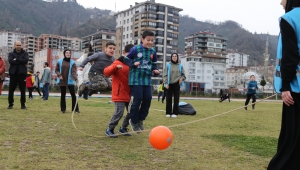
(142, 61)
(251, 91)
(29, 84)
(160, 90)
(120, 93)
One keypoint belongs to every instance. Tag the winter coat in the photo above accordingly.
(2, 68)
(120, 87)
(29, 81)
(18, 62)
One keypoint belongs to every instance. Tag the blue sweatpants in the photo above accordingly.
(140, 102)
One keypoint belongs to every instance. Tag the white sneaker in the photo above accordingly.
(174, 116)
(168, 115)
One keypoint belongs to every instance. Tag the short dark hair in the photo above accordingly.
(128, 47)
(46, 63)
(147, 33)
(110, 43)
(252, 75)
(37, 72)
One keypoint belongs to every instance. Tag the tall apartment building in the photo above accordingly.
(205, 42)
(162, 19)
(99, 40)
(34, 44)
(236, 59)
(7, 40)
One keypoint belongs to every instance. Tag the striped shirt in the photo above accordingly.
(141, 75)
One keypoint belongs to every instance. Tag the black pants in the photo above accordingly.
(174, 89)
(63, 91)
(253, 96)
(288, 149)
(30, 90)
(164, 96)
(15, 80)
(38, 90)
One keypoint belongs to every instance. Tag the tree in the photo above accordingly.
(263, 82)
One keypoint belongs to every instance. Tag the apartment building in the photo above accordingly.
(162, 19)
(51, 56)
(99, 40)
(34, 44)
(236, 76)
(236, 59)
(205, 42)
(7, 40)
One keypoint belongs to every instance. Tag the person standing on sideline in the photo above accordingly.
(101, 60)
(120, 93)
(66, 73)
(29, 84)
(251, 91)
(2, 73)
(160, 90)
(18, 60)
(46, 79)
(36, 84)
(142, 60)
(286, 81)
(174, 76)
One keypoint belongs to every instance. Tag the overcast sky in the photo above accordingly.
(254, 15)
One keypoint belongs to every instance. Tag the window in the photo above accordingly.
(127, 36)
(130, 19)
(123, 29)
(152, 24)
(127, 28)
(210, 44)
(144, 16)
(124, 21)
(127, 20)
(136, 25)
(130, 35)
(124, 14)
(123, 36)
(137, 17)
(210, 40)
(108, 37)
(152, 16)
(144, 24)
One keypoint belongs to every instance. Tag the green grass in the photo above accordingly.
(43, 138)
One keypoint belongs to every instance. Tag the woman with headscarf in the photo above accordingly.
(286, 81)
(173, 77)
(66, 73)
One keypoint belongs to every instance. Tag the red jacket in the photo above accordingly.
(29, 81)
(2, 68)
(120, 87)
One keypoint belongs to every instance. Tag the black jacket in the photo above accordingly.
(18, 62)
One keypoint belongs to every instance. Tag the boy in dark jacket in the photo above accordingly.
(251, 93)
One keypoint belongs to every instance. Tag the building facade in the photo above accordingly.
(162, 19)
(99, 40)
(51, 56)
(235, 77)
(34, 44)
(236, 59)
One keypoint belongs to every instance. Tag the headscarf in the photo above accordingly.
(290, 4)
(65, 58)
(174, 62)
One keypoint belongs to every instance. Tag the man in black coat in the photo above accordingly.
(18, 60)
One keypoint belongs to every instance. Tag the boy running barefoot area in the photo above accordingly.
(120, 93)
(251, 91)
(144, 58)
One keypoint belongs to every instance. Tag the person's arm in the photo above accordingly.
(248, 86)
(154, 60)
(128, 60)
(74, 72)
(12, 60)
(290, 56)
(110, 70)
(57, 70)
(182, 74)
(89, 59)
(165, 76)
(23, 59)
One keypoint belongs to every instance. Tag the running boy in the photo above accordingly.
(251, 91)
(120, 93)
(144, 58)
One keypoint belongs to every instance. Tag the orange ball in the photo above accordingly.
(160, 137)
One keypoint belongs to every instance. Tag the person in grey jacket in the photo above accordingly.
(173, 76)
(46, 79)
(101, 60)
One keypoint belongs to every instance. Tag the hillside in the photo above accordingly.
(69, 18)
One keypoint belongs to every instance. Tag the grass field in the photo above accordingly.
(43, 138)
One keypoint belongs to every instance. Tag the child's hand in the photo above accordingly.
(180, 81)
(119, 67)
(156, 72)
(137, 63)
(253, 88)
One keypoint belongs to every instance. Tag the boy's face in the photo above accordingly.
(110, 50)
(148, 41)
(252, 78)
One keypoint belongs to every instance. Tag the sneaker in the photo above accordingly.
(42, 97)
(63, 111)
(134, 127)
(110, 133)
(168, 115)
(85, 96)
(124, 131)
(23, 107)
(77, 111)
(10, 107)
(245, 107)
(141, 125)
(174, 116)
(253, 107)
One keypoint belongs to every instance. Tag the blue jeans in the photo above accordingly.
(46, 91)
(140, 102)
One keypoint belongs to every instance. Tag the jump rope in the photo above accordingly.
(172, 126)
